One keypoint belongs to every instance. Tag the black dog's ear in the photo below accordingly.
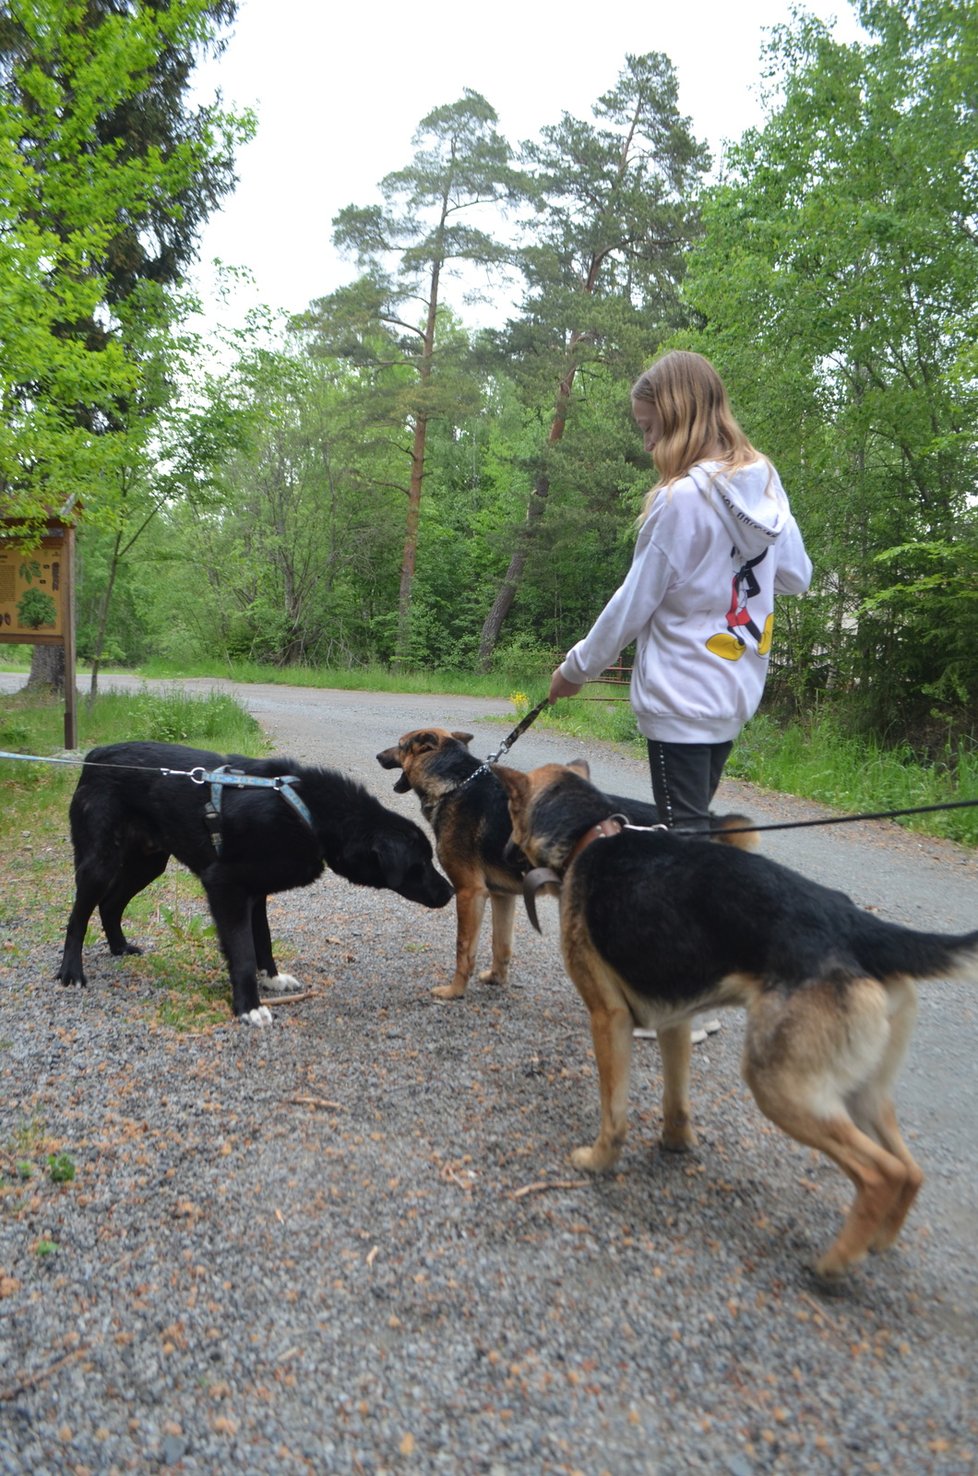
(465, 738)
(580, 766)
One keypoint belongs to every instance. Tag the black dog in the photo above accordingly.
(129, 815)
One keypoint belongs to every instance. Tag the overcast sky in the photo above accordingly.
(339, 90)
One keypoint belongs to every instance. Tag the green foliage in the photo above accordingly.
(87, 255)
(837, 282)
(61, 1168)
(603, 257)
(823, 761)
(832, 276)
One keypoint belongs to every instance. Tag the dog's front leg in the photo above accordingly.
(676, 1048)
(274, 982)
(232, 912)
(611, 1031)
(503, 909)
(470, 904)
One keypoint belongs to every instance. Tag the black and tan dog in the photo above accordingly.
(134, 808)
(466, 807)
(654, 929)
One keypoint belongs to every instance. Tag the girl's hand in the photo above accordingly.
(561, 687)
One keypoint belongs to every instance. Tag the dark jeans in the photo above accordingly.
(684, 780)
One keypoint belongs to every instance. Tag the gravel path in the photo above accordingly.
(354, 1243)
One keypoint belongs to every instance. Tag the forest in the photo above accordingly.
(374, 483)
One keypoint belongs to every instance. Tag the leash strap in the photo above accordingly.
(283, 784)
(844, 819)
(518, 731)
(36, 758)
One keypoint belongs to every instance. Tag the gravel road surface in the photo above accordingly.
(353, 1242)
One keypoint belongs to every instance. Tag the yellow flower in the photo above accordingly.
(520, 701)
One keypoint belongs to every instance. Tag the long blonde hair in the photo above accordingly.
(691, 400)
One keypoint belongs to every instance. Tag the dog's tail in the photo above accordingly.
(903, 953)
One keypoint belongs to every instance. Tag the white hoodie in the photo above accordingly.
(699, 603)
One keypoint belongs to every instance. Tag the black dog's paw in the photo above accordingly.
(259, 1017)
(70, 979)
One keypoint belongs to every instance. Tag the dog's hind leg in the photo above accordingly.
(137, 869)
(232, 910)
(872, 1108)
(503, 911)
(825, 1053)
(94, 881)
(676, 1048)
(470, 905)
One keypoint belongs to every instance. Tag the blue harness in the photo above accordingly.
(225, 775)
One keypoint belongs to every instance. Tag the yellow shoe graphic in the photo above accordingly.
(764, 644)
(725, 645)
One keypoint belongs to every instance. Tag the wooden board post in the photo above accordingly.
(37, 598)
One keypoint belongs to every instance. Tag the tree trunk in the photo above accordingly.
(536, 507)
(47, 674)
(513, 577)
(409, 557)
(103, 617)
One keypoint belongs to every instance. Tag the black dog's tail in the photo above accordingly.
(896, 952)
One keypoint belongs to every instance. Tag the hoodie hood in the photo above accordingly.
(750, 502)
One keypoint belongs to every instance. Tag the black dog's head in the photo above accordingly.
(396, 854)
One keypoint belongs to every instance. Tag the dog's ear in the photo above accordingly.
(425, 742)
(515, 782)
(579, 766)
(465, 738)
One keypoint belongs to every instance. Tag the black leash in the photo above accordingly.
(283, 783)
(486, 766)
(829, 819)
(518, 731)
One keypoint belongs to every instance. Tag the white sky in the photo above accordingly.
(339, 90)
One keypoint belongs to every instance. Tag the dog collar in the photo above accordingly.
(545, 876)
(614, 825)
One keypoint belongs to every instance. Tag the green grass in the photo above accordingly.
(357, 679)
(854, 775)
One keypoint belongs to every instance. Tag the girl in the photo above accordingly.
(717, 541)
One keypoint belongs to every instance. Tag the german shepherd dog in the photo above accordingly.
(134, 807)
(654, 928)
(465, 804)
